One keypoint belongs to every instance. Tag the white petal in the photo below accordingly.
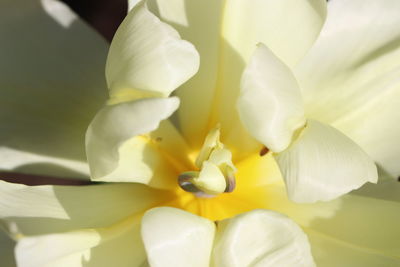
(363, 231)
(116, 141)
(147, 57)
(118, 245)
(33, 210)
(351, 77)
(52, 83)
(270, 104)
(225, 39)
(261, 238)
(173, 237)
(323, 164)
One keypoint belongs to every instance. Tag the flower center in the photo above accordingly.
(216, 170)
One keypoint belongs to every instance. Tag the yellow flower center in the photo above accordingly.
(219, 188)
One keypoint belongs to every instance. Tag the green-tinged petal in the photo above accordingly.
(6, 250)
(270, 104)
(225, 39)
(118, 245)
(323, 164)
(261, 238)
(351, 76)
(363, 232)
(278, 24)
(173, 237)
(147, 57)
(330, 252)
(52, 83)
(118, 148)
(349, 230)
(47, 209)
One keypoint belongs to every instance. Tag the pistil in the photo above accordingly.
(216, 171)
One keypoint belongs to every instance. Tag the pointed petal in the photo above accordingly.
(118, 245)
(147, 57)
(323, 164)
(173, 237)
(118, 149)
(270, 104)
(351, 76)
(261, 238)
(52, 83)
(33, 210)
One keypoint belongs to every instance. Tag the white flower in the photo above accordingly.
(192, 160)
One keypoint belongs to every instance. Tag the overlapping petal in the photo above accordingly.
(270, 103)
(119, 245)
(351, 76)
(119, 149)
(147, 57)
(48, 209)
(173, 237)
(52, 83)
(211, 95)
(360, 230)
(323, 164)
(261, 238)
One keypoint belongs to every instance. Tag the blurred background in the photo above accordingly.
(104, 15)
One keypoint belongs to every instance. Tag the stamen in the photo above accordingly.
(264, 151)
(217, 172)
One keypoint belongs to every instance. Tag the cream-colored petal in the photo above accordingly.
(200, 23)
(364, 232)
(225, 39)
(118, 148)
(279, 25)
(147, 57)
(330, 252)
(350, 230)
(52, 83)
(261, 238)
(33, 210)
(323, 164)
(173, 237)
(6, 250)
(118, 245)
(270, 104)
(351, 76)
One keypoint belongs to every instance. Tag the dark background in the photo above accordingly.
(104, 15)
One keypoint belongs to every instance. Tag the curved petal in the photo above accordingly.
(52, 83)
(118, 149)
(323, 164)
(225, 39)
(148, 58)
(351, 76)
(352, 229)
(118, 245)
(173, 237)
(47, 209)
(261, 238)
(270, 104)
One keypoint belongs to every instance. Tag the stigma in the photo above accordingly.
(215, 173)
